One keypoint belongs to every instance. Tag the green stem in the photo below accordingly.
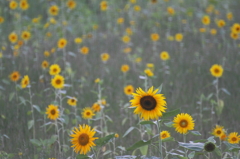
(59, 147)
(184, 140)
(160, 140)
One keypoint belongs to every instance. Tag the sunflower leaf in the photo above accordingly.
(191, 155)
(128, 131)
(138, 145)
(169, 124)
(104, 140)
(170, 114)
(192, 146)
(196, 133)
(35, 142)
(30, 124)
(146, 122)
(82, 156)
(37, 108)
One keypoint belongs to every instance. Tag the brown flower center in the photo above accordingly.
(219, 132)
(164, 135)
(88, 113)
(148, 103)
(216, 70)
(58, 81)
(53, 111)
(83, 139)
(183, 123)
(234, 139)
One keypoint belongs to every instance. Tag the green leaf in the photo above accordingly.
(35, 142)
(192, 146)
(232, 147)
(138, 145)
(169, 124)
(168, 139)
(107, 152)
(144, 149)
(196, 133)
(82, 157)
(146, 122)
(159, 89)
(109, 119)
(11, 96)
(104, 140)
(23, 101)
(128, 131)
(30, 124)
(191, 155)
(124, 120)
(52, 139)
(218, 152)
(170, 114)
(37, 108)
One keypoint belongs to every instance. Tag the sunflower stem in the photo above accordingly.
(30, 95)
(160, 140)
(184, 140)
(59, 145)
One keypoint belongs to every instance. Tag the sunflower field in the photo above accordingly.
(119, 79)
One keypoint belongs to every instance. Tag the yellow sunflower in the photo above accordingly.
(62, 43)
(120, 20)
(235, 28)
(26, 35)
(105, 57)
(218, 131)
(216, 70)
(233, 138)
(96, 107)
(72, 101)
(149, 105)
(82, 139)
(229, 16)
(164, 55)
(126, 39)
(183, 122)
(54, 69)
(25, 81)
(164, 135)
(148, 72)
(1, 19)
(97, 80)
(170, 10)
(13, 37)
(154, 37)
(87, 113)
(128, 90)
(24, 5)
(206, 20)
(124, 68)
(234, 35)
(13, 5)
(213, 31)
(178, 37)
(137, 8)
(71, 4)
(78, 40)
(58, 82)
(45, 64)
(14, 76)
(84, 50)
(53, 10)
(52, 111)
(104, 5)
(220, 23)
(127, 50)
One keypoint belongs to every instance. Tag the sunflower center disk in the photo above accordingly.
(218, 132)
(148, 103)
(88, 113)
(164, 135)
(83, 139)
(58, 81)
(53, 112)
(183, 123)
(216, 71)
(234, 139)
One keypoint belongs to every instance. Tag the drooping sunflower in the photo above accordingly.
(52, 111)
(72, 101)
(183, 122)
(14, 76)
(82, 139)
(128, 90)
(13, 37)
(54, 69)
(25, 81)
(96, 107)
(233, 138)
(124, 68)
(164, 55)
(26, 35)
(87, 113)
(71, 4)
(13, 5)
(216, 70)
(154, 36)
(45, 64)
(53, 10)
(218, 131)
(149, 105)
(62, 43)
(84, 50)
(24, 5)
(105, 57)
(164, 135)
(58, 82)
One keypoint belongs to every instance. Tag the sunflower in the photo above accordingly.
(52, 111)
(128, 90)
(126, 39)
(97, 80)
(170, 10)
(78, 40)
(206, 20)
(82, 139)
(148, 72)
(13, 5)
(234, 35)
(129, 31)
(220, 23)
(149, 105)
(164, 55)
(209, 146)
(44, 64)
(26, 35)
(62, 43)
(71, 4)
(178, 37)
(1, 19)
(84, 50)
(218, 131)
(127, 50)
(124, 68)
(164, 135)
(46, 53)
(138, 59)
(154, 37)
(116, 135)
(213, 31)
(25, 81)
(54, 69)
(154, 1)
(13, 37)
(104, 5)
(105, 57)
(14, 76)
(216, 70)
(183, 122)
(58, 82)
(96, 107)
(233, 138)
(120, 20)
(229, 16)
(235, 28)
(133, 1)
(53, 10)
(72, 101)
(87, 113)
(24, 5)
(137, 8)
(202, 30)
